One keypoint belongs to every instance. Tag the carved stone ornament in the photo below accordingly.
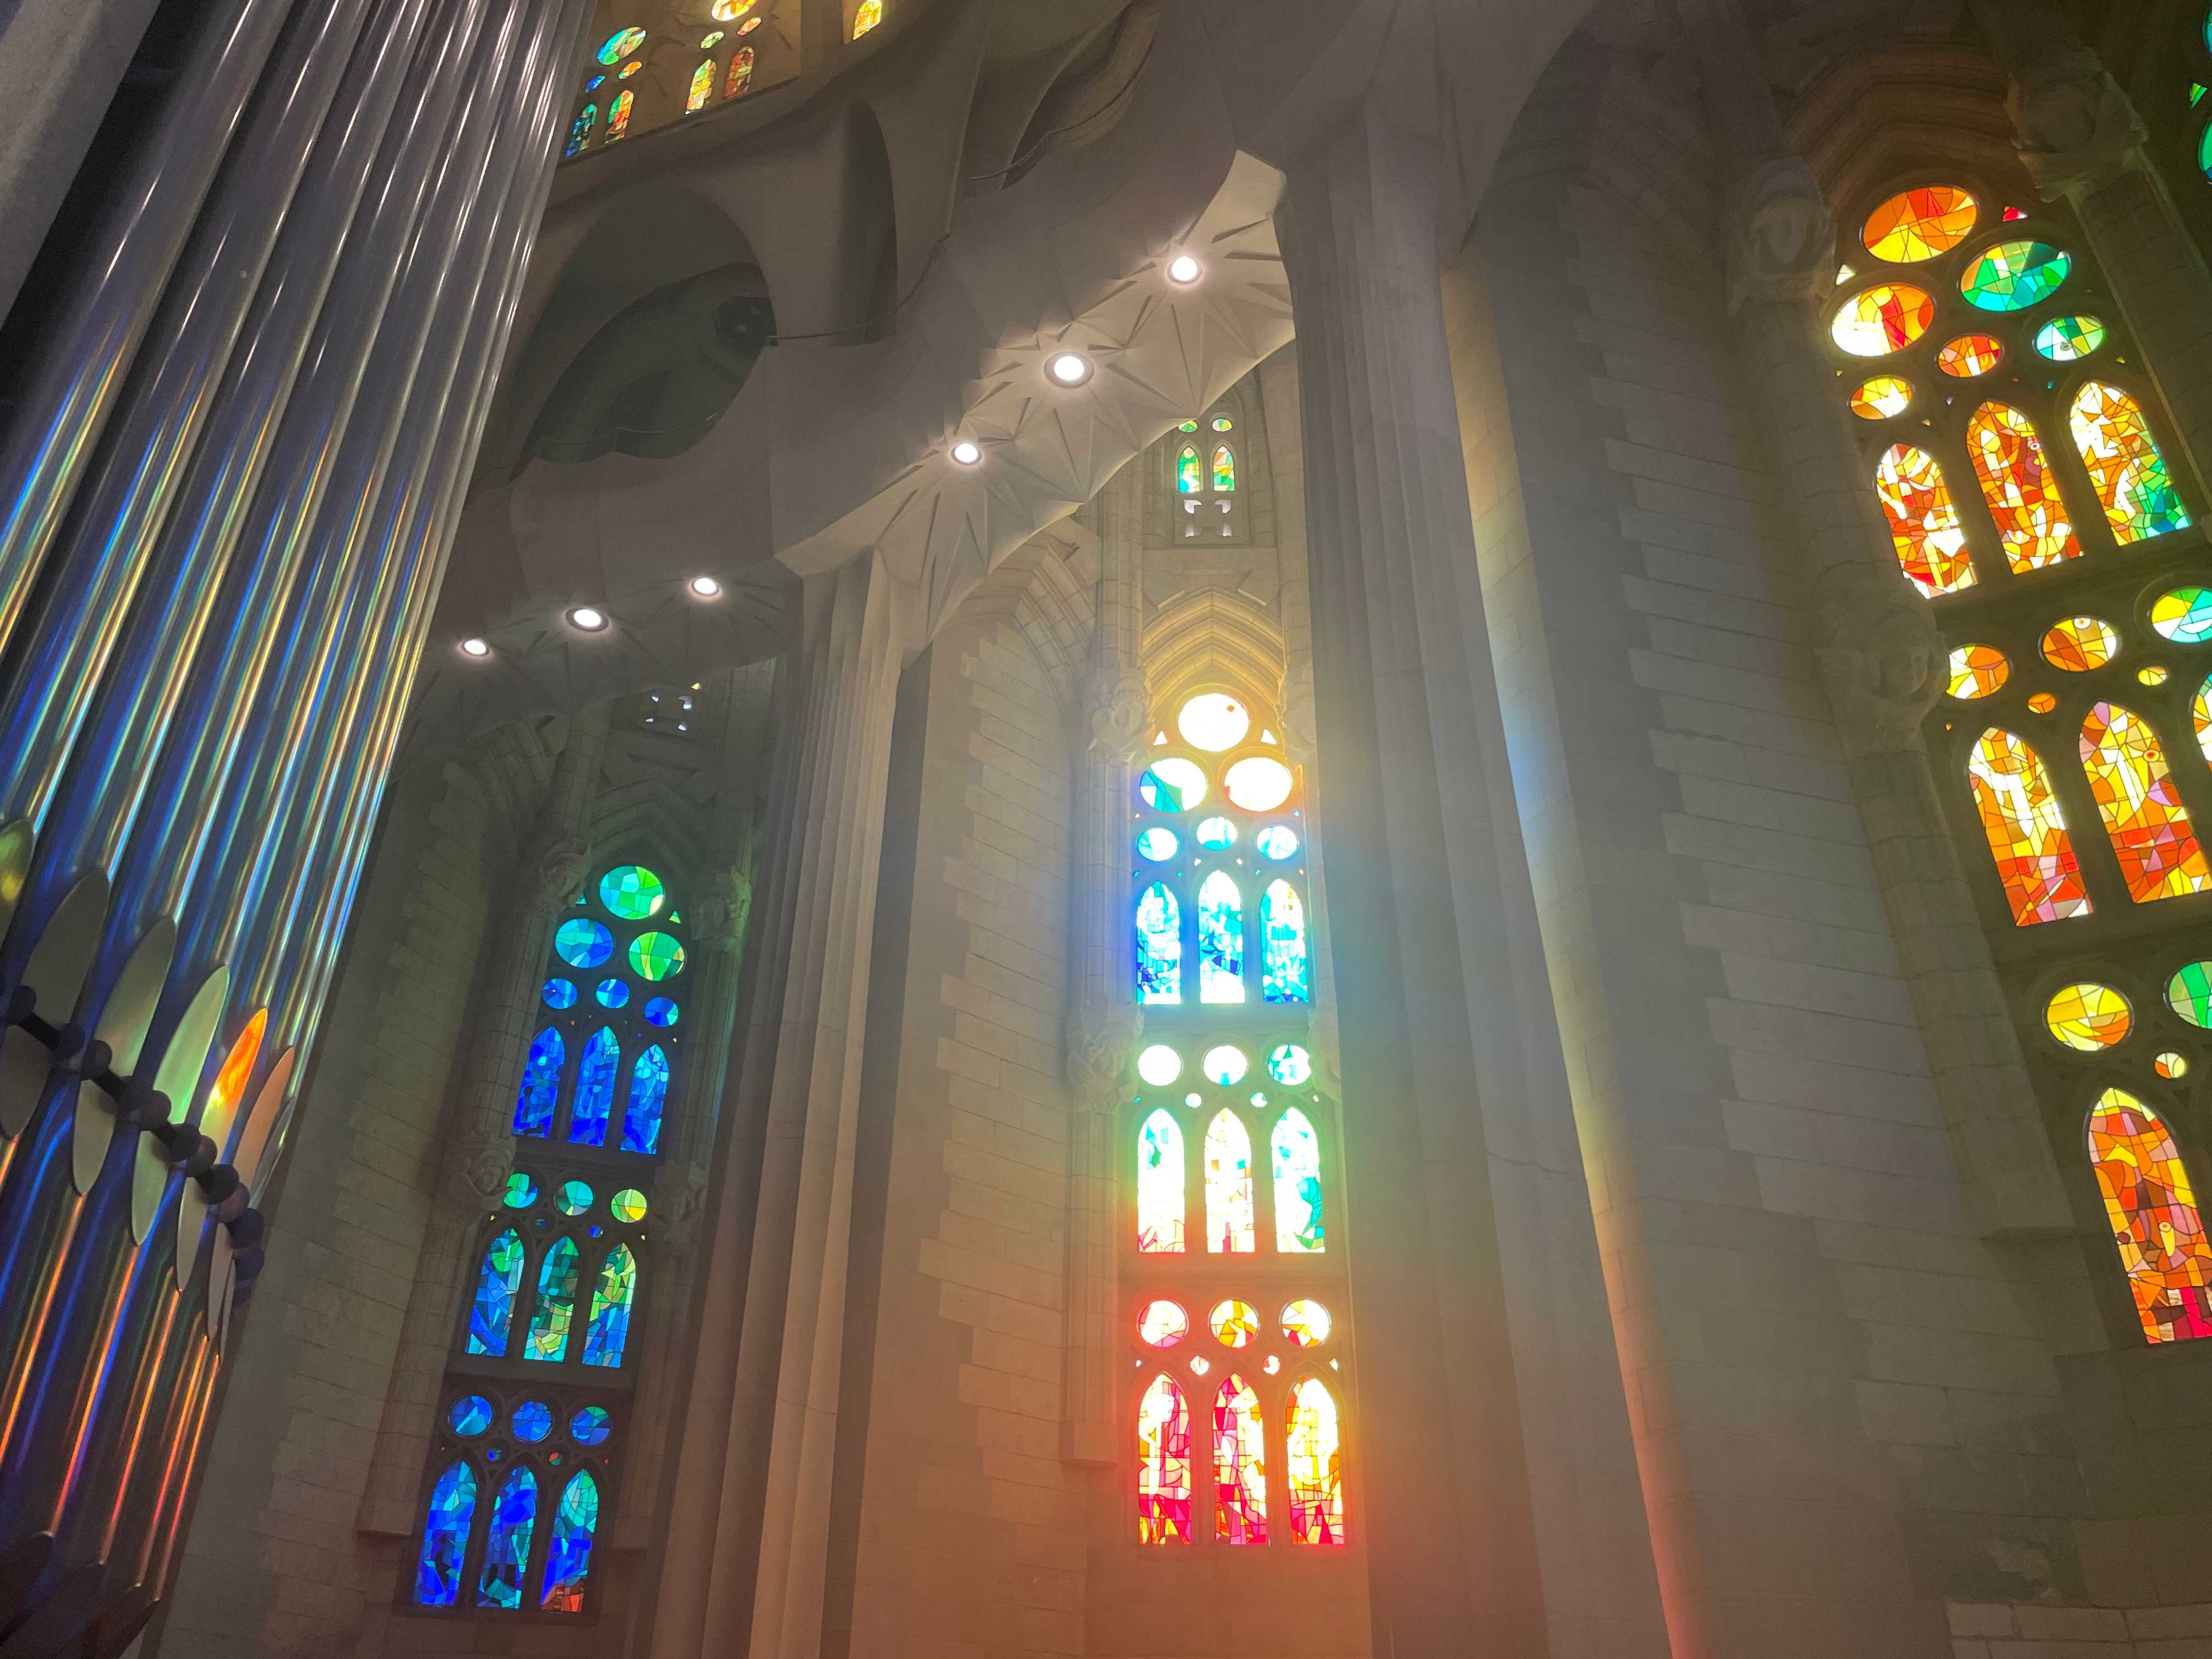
(476, 1169)
(1782, 245)
(1119, 710)
(679, 1205)
(719, 918)
(555, 867)
(1102, 1044)
(1301, 732)
(1885, 661)
(2076, 128)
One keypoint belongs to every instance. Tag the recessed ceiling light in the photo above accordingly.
(1069, 368)
(967, 451)
(706, 587)
(589, 620)
(1183, 271)
(473, 648)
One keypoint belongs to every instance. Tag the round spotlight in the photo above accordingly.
(706, 587)
(967, 451)
(1183, 271)
(1069, 368)
(590, 620)
(473, 648)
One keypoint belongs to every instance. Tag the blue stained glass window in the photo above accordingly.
(446, 1538)
(470, 1415)
(583, 943)
(648, 1093)
(507, 1545)
(532, 1420)
(591, 1425)
(1283, 968)
(569, 1562)
(595, 1089)
(1220, 940)
(610, 1301)
(611, 993)
(560, 994)
(661, 1011)
(1297, 1159)
(541, 1084)
(1159, 946)
(498, 1279)
(556, 1303)
(579, 130)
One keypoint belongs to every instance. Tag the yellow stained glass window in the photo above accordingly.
(1919, 223)
(1924, 520)
(1970, 355)
(1224, 467)
(1977, 670)
(1190, 477)
(1314, 1485)
(870, 14)
(2152, 1209)
(2125, 467)
(1885, 318)
(703, 87)
(2022, 496)
(1879, 398)
(2080, 645)
(2088, 1016)
(2142, 811)
(2026, 829)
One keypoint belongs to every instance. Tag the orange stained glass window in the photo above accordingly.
(1970, 355)
(2026, 830)
(1240, 1465)
(1977, 670)
(618, 116)
(222, 1101)
(703, 87)
(2022, 496)
(2153, 1211)
(1924, 520)
(2080, 645)
(741, 72)
(870, 14)
(1230, 1222)
(1879, 398)
(1879, 320)
(2200, 715)
(2142, 811)
(1314, 1481)
(1163, 1465)
(1919, 223)
(2125, 467)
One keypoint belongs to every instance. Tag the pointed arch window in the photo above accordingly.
(2150, 827)
(541, 1084)
(1240, 1465)
(1160, 1185)
(648, 1092)
(1296, 1155)
(1225, 469)
(2125, 467)
(741, 72)
(608, 1334)
(1231, 1225)
(1190, 476)
(618, 114)
(1159, 946)
(568, 1560)
(1924, 520)
(1283, 972)
(446, 1537)
(2022, 496)
(701, 87)
(499, 1280)
(506, 1542)
(594, 1096)
(1164, 1472)
(1220, 940)
(2152, 1207)
(556, 1303)
(580, 129)
(2026, 830)
(1313, 1480)
(870, 14)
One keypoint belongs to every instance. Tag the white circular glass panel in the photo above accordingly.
(1257, 784)
(1160, 1065)
(1213, 721)
(1290, 1065)
(1214, 834)
(1277, 842)
(1226, 1064)
(1173, 785)
(1157, 844)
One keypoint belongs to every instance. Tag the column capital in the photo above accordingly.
(1782, 238)
(679, 1205)
(478, 1165)
(553, 871)
(1883, 656)
(2076, 130)
(1102, 1044)
(723, 910)
(1118, 707)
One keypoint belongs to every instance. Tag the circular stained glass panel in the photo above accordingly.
(612, 992)
(560, 994)
(656, 956)
(1173, 785)
(1277, 842)
(1213, 721)
(2087, 1016)
(632, 892)
(1970, 355)
(2184, 615)
(1214, 834)
(1234, 1324)
(1226, 1064)
(2042, 702)
(2171, 1065)
(630, 68)
(2189, 993)
(2065, 339)
(1885, 318)
(1160, 1065)
(1157, 844)
(2014, 275)
(1976, 670)
(2080, 644)
(661, 1012)
(1257, 784)
(1919, 223)
(521, 1191)
(470, 1415)
(1881, 397)
(583, 943)
(590, 1426)
(1162, 1323)
(2151, 674)
(619, 45)
(1305, 1324)
(728, 11)
(574, 1198)
(1290, 1065)
(628, 1207)
(532, 1420)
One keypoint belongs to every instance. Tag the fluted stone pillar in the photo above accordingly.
(478, 1151)
(746, 1525)
(1880, 654)
(1482, 1307)
(2081, 140)
(1104, 1022)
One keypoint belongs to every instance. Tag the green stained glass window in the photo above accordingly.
(656, 956)
(575, 1198)
(583, 943)
(2189, 993)
(1190, 477)
(2014, 275)
(619, 45)
(556, 1303)
(521, 1191)
(632, 892)
(590, 1426)
(609, 1332)
(628, 1207)
(2064, 339)
(2184, 615)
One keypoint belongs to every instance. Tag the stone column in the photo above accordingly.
(1473, 1269)
(478, 1153)
(746, 1526)
(1103, 1021)
(1880, 654)
(2080, 139)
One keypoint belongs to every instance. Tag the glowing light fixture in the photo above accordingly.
(706, 587)
(475, 648)
(967, 453)
(1069, 368)
(588, 619)
(1183, 271)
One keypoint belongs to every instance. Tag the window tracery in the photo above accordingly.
(1207, 503)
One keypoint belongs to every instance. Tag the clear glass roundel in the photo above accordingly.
(1257, 784)
(1160, 1065)
(1213, 721)
(1172, 785)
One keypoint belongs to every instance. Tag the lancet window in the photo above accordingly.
(2034, 496)
(1206, 472)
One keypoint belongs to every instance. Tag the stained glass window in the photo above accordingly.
(1970, 355)
(1220, 940)
(2022, 496)
(1883, 318)
(1214, 721)
(594, 1098)
(446, 1538)
(2065, 339)
(1258, 783)
(1225, 468)
(618, 114)
(2183, 615)
(1919, 223)
(648, 1091)
(1240, 1465)
(1190, 477)
(1932, 546)
(2152, 1209)
(1879, 398)
(1159, 1185)
(2026, 830)
(702, 88)
(2200, 717)
(1315, 1483)
(2079, 645)
(569, 1562)
(1159, 946)
(2142, 811)
(1230, 1222)
(870, 14)
(741, 72)
(1297, 1159)
(580, 129)
(556, 1303)
(609, 1331)
(507, 1545)
(619, 45)
(2125, 467)
(2014, 275)
(541, 1083)
(1163, 1465)
(1283, 944)
(1977, 670)
(499, 1279)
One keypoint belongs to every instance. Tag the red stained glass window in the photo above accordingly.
(2142, 811)
(2153, 1211)
(1163, 1465)
(1315, 1483)
(1924, 520)
(1240, 1465)
(2022, 496)
(2026, 830)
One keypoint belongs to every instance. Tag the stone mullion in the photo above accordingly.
(477, 1150)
